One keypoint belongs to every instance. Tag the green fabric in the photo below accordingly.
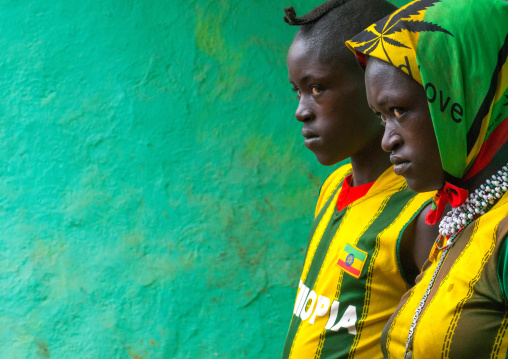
(457, 50)
(502, 269)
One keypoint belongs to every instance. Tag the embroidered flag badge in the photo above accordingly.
(352, 259)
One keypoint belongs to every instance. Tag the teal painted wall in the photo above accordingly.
(155, 194)
(400, 3)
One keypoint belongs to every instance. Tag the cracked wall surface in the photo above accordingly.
(155, 193)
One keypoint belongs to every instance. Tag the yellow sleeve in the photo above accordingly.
(330, 184)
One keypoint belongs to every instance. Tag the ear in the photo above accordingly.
(362, 59)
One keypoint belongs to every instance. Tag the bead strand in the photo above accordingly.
(478, 203)
(455, 221)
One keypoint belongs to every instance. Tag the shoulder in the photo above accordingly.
(331, 183)
(502, 257)
(417, 238)
(336, 178)
(502, 228)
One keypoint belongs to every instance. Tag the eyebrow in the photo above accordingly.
(306, 78)
(311, 77)
(383, 101)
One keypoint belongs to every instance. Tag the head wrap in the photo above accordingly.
(457, 50)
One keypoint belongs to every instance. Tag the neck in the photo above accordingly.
(499, 160)
(369, 164)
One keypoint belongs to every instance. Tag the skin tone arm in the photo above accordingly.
(415, 245)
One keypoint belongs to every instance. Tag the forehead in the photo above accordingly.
(379, 72)
(305, 55)
(380, 75)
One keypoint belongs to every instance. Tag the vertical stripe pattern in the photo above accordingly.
(466, 311)
(338, 313)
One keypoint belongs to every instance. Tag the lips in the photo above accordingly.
(311, 138)
(308, 134)
(401, 165)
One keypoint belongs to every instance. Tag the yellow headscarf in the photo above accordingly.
(457, 50)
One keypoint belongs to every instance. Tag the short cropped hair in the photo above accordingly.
(326, 27)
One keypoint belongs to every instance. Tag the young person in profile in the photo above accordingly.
(361, 256)
(438, 78)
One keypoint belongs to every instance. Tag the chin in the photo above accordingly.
(327, 161)
(417, 185)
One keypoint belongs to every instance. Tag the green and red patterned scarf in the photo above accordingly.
(457, 50)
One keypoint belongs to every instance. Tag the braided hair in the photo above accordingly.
(312, 15)
(326, 27)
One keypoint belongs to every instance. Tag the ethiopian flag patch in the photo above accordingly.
(352, 259)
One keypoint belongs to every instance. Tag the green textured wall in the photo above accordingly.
(155, 194)
(400, 3)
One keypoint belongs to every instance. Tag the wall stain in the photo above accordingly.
(134, 355)
(42, 350)
(210, 38)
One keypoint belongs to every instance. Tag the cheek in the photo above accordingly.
(423, 134)
(429, 144)
(351, 109)
(428, 152)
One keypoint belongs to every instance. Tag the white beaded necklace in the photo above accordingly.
(477, 204)
(455, 221)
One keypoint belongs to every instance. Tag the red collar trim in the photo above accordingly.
(350, 194)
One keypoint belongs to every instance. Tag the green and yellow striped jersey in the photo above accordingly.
(466, 315)
(351, 280)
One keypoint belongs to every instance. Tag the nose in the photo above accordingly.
(304, 110)
(391, 139)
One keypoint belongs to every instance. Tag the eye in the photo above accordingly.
(297, 91)
(315, 90)
(382, 118)
(399, 111)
